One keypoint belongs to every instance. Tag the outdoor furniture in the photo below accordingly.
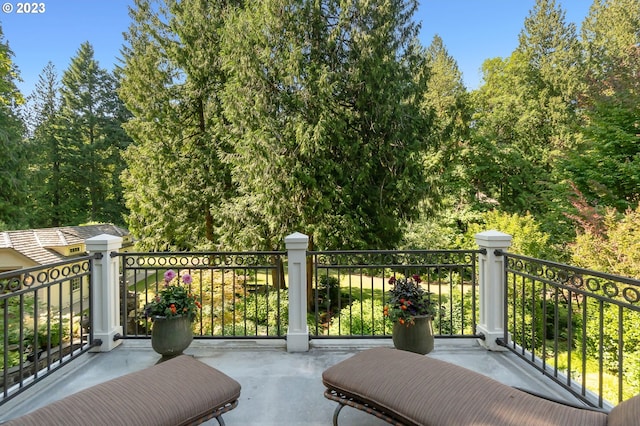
(179, 391)
(405, 388)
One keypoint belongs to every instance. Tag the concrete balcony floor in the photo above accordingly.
(278, 388)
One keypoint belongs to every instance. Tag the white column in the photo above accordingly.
(298, 332)
(492, 285)
(106, 291)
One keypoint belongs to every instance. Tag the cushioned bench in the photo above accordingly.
(179, 391)
(405, 388)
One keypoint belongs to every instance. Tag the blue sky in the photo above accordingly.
(472, 31)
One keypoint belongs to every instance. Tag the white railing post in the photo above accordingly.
(298, 332)
(492, 286)
(106, 291)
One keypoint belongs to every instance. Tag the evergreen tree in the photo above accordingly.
(609, 33)
(46, 188)
(90, 141)
(13, 191)
(526, 113)
(172, 79)
(447, 102)
(327, 123)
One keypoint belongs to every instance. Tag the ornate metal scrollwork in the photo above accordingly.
(603, 285)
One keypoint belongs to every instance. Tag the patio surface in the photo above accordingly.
(278, 388)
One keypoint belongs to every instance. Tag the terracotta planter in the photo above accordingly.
(416, 338)
(171, 335)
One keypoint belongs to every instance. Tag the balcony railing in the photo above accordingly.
(579, 327)
(350, 290)
(242, 293)
(45, 317)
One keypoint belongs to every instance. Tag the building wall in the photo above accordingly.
(11, 259)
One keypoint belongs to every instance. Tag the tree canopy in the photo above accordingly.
(246, 121)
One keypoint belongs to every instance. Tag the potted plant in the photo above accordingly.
(172, 312)
(411, 310)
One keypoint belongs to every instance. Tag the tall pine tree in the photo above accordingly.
(46, 188)
(91, 139)
(13, 168)
(172, 80)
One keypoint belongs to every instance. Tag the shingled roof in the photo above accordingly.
(37, 244)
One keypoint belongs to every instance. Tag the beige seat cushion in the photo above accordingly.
(175, 392)
(626, 413)
(419, 390)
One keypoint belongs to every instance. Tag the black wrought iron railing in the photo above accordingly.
(581, 328)
(349, 290)
(45, 318)
(242, 293)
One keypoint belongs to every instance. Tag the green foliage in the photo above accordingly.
(314, 114)
(611, 244)
(22, 339)
(329, 290)
(609, 30)
(612, 337)
(47, 185)
(606, 166)
(525, 114)
(455, 314)
(172, 82)
(270, 310)
(13, 168)
(361, 318)
(81, 144)
(528, 238)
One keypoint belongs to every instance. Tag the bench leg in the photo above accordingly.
(336, 413)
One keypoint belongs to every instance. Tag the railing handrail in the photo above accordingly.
(591, 272)
(21, 271)
(198, 253)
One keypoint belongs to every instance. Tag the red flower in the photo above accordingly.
(392, 280)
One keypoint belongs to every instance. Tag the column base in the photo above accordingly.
(490, 339)
(107, 340)
(298, 341)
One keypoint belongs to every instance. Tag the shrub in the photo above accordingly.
(456, 314)
(329, 291)
(362, 318)
(528, 238)
(263, 309)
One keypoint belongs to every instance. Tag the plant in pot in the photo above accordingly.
(172, 312)
(411, 310)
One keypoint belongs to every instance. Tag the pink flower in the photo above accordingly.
(186, 278)
(169, 275)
